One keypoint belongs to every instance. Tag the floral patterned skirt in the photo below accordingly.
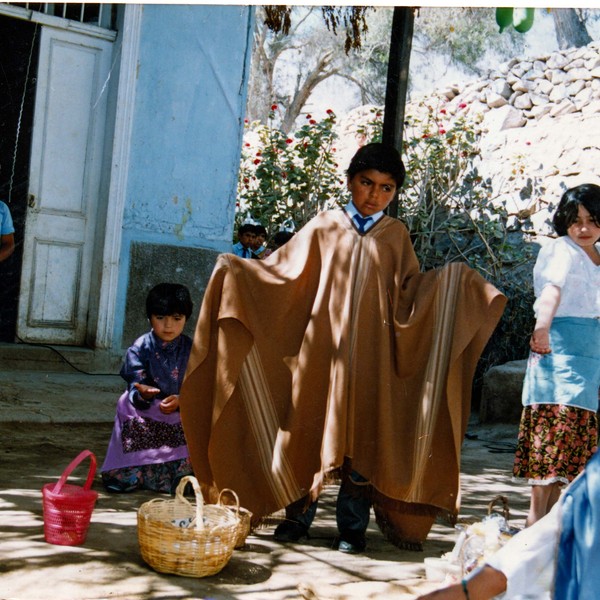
(554, 443)
(161, 477)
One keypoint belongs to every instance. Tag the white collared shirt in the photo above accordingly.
(352, 210)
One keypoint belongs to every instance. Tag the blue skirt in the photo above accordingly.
(570, 374)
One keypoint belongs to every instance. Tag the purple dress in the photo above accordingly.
(142, 434)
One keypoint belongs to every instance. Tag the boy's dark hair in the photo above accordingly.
(282, 237)
(245, 228)
(169, 299)
(586, 195)
(380, 157)
(260, 230)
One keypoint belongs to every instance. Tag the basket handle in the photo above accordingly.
(199, 499)
(504, 501)
(91, 473)
(235, 497)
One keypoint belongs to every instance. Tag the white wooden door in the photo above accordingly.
(64, 187)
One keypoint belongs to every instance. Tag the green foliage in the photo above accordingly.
(465, 35)
(288, 178)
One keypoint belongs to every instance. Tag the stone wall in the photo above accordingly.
(540, 125)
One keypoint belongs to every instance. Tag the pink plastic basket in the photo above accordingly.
(68, 508)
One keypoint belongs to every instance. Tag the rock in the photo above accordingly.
(500, 119)
(494, 100)
(577, 74)
(501, 393)
(559, 93)
(523, 102)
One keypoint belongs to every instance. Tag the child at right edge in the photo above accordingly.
(558, 432)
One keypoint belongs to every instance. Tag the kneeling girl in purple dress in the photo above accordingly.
(147, 449)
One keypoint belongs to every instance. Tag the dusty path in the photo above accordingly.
(108, 565)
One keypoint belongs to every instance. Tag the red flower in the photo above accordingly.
(289, 141)
(259, 153)
(257, 161)
(309, 116)
(329, 111)
(442, 131)
(443, 111)
(425, 136)
(528, 143)
(273, 106)
(462, 105)
(312, 122)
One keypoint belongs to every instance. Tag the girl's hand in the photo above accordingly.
(540, 341)
(169, 404)
(147, 392)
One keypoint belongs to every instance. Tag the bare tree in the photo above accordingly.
(571, 31)
(319, 54)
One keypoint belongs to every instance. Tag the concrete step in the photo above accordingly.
(58, 397)
(63, 359)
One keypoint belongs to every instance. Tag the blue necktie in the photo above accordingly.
(245, 253)
(362, 222)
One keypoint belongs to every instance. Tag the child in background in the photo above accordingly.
(259, 250)
(147, 449)
(7, 232)
(558, 432)
(246, 237)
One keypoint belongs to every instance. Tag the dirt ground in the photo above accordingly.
(109, 565)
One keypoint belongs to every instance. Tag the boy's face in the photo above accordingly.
(247, 239)
(168, 327)
(371, 191)
(259, 240)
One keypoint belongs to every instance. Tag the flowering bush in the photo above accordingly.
(285, 178)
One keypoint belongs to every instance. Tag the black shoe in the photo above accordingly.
(290, 531)
(115, 486)
(352, 542)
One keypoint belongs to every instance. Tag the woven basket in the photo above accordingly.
(244, 515)
(177, 537)
(68, 508)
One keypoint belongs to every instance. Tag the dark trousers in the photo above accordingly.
(352, 509)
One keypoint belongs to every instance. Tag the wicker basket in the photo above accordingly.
(68, 508)
(177, 537)
(244, 515)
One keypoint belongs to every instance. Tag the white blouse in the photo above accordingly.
(561, 262)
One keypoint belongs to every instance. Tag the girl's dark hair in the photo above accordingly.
(380, 157)
(169, 299)
(586, 195)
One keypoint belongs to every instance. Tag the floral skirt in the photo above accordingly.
(554, 443)
(161, 477)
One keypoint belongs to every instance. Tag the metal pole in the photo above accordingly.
(397, 82)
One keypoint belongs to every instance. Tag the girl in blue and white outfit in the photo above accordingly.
(558, 432)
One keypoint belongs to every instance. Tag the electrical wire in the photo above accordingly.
(64, 358)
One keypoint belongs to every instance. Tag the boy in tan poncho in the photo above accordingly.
(335, 354)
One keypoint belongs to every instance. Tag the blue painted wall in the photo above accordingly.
(187, 130)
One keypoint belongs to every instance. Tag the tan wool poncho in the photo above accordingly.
(334, 350)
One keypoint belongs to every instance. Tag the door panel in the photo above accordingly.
(65, 171)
